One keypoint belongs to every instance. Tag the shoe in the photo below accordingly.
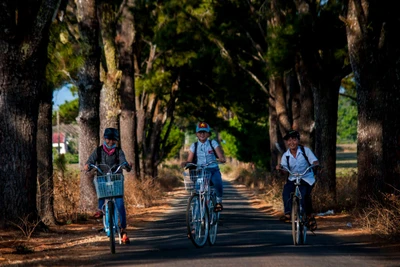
(125, 239)
(98, 215)
(312, 224)
(192, 234)
(285, 218)
(218, 207)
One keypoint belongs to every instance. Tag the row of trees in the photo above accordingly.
(153, 68)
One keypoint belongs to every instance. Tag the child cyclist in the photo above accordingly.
(205, 151)
(110, 154)
(297, 159)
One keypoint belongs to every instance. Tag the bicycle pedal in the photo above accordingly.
(101, 230)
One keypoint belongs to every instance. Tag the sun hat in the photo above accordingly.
(202, 126)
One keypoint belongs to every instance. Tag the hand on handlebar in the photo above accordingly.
(128, 166)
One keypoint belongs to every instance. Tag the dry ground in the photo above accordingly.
(80, 239)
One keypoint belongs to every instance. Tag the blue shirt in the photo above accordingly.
(299, 164)
(205, 153)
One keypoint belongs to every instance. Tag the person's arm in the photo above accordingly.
(282, 163)
(122, 158)
(189, 159)
(91, 160)
(220, 154)
(311, 157)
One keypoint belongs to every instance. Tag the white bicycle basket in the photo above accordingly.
(196, 180)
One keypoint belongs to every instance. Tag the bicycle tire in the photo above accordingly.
(296, 224)
(111, 215)
(197, 227)
(213, 220)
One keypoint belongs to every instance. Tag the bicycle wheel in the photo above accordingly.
(111, 225)
(197, 221)
(297, 231)
(214, 217)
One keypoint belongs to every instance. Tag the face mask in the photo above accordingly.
(110, 147)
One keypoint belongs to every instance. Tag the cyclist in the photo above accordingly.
(110, 154)
(297, 159)
(205, 151)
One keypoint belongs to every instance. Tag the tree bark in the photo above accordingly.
(374, 55)
(23, 57)
(128, 120)
(89, 87)
(320, 72)
(110, 99)
(45, 158)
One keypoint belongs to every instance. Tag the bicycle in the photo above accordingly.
(298, 216)
(201, 219)
(109, 185)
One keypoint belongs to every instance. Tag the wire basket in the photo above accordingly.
(197, 180)
(110, 185)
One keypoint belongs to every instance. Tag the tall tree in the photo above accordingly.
(59, 51)
(374, 50)
(128, 50)
(24, 31)
(89, 87)
(320, 66)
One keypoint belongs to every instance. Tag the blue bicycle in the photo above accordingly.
(109, 185)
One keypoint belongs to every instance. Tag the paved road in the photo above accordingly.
(248, 237)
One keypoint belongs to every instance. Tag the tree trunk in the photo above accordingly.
(279, 119)
(376, 68)
(127, 89)
(45, 158)
(320, 72)
(89, 87)
(23, 50)
(110, 99)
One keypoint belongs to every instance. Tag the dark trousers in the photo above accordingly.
(305, 202)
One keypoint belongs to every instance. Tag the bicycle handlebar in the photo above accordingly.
(202, 166)
(298, 174)
(123, 165)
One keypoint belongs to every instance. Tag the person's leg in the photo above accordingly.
(304, 191)
(101, 204)
(309, 206)
(216, 179)
(288, 188)
(119, 201)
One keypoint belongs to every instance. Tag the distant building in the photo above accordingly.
(60, 142)
(70, 132)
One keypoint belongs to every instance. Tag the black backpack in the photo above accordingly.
(304, 155)
(195, 151)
